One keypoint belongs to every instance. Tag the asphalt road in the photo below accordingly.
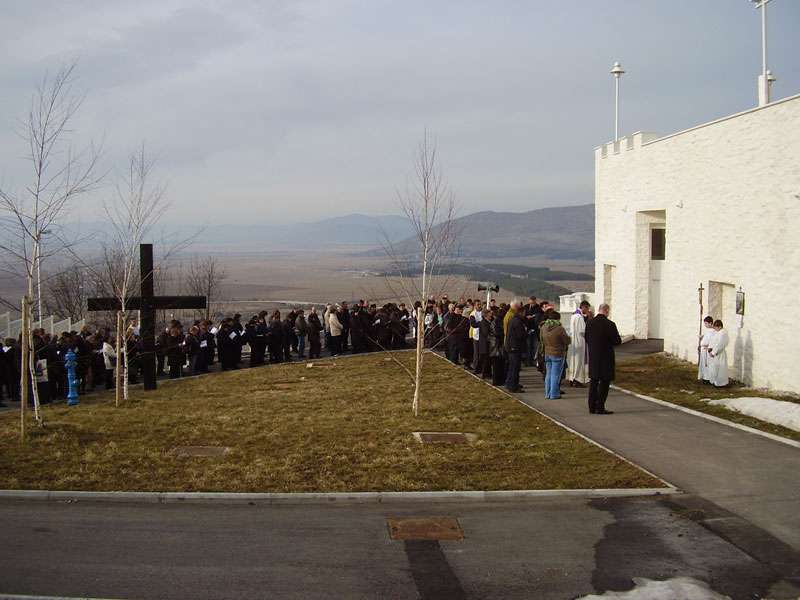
(543, 549)
(736, 531)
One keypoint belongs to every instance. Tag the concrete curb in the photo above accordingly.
(332, 498)
(771, 436)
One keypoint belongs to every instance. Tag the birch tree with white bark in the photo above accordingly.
(135, 208)
(134, 214)
(426, 268)
(61, 174)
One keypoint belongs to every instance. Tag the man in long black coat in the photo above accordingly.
(601, 337)
(344, 318)
(314, 329)
(516, 344)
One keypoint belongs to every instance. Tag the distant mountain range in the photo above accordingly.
(559, 232)
(350, 231)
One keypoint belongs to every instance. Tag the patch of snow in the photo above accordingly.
(690, 392)
(777, 412)
(685, 588)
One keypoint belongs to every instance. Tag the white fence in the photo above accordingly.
(12, 329)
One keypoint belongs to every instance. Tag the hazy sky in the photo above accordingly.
(304, 109)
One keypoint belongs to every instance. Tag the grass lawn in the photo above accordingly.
(673, 380)
(290, 428)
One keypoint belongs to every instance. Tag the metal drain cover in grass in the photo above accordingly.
(199, 450)
(443, 437)
(446, 528)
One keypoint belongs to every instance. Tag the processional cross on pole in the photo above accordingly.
(147, 303)
(700, 291)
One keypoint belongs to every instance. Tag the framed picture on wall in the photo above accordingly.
(740, 303)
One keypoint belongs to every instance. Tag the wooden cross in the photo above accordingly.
(147, 303)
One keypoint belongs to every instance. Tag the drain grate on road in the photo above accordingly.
(199, 450)
(445, 528)
(443, 437)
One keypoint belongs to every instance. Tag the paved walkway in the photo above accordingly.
(751, 476)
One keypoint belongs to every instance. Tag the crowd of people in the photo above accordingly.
(95, 363)
(270, 337)
(493, 340)
(496, 340)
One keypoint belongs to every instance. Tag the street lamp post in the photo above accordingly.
(616, 71)
(765, 79)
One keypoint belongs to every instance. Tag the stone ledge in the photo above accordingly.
(326, 498)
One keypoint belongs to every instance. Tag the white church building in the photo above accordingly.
(715, 207)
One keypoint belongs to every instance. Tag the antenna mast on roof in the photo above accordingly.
(617, 71)
(765, 79)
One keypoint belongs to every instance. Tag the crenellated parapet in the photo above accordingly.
(631, 142)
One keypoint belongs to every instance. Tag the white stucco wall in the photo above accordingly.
(727, 192)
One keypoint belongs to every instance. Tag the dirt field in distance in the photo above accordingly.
(336, 275)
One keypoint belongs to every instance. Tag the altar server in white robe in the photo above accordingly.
(718, 364)
(703, 371)
(576, 353)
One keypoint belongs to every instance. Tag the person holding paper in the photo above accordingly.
(175, 355)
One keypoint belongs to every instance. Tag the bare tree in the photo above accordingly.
(61, 173)
(430, 208)
(66, 298)
(205, 278)
(133, 213)
(134, 210)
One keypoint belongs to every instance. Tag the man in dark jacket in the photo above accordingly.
(483, 364)
(292, 318)
(191, 348)
(301, 329)
(601, 337)
(175, 355)
(516, 344)
(287, 327)
(314, 329)
(357, 328)
(344, 318)
(227, 340)
(236, 348)
(531, 312)
(453, 327)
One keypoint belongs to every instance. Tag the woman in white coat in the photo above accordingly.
(718, 357)
(110, 360)
(336, 331)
